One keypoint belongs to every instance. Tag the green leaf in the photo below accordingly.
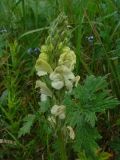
(88, 99)
(33, 31)
(82, 106)
(28, 123)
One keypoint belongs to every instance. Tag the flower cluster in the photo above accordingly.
(60, 76)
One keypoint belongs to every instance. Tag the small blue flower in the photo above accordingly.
(3, 31)
(37, 51)
(33, 51)
(90, 39)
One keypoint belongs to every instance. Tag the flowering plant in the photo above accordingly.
(60, 78)
(68, 109)
(56, 78)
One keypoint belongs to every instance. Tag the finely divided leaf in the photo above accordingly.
(28, 123)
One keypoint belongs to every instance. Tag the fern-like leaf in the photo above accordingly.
(28, 123)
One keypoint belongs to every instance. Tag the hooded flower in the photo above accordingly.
(58, 111)
(67, 58)
(44, 90)
(71, 132)
(62, 76)
(42, 67)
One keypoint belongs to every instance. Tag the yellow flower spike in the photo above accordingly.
(71, 132)
(43, 88)
(42, 67)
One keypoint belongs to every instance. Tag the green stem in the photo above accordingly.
(62, 146)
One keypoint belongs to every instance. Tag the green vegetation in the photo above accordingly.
(46, 112)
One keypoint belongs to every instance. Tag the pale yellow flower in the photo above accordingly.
(62, 76)
(42, 67)
(58, 111)
(44, 90)
(67, 58)
(71, 132)
(57, 80)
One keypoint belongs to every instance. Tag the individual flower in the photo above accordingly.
(33, 51)
(71, 132)
(37, 50)
(57, 80)
(3, 31)
(58, 111)
(62, 76)
(44, 90)
(67, 58)
(90, 39)
(42, 67)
